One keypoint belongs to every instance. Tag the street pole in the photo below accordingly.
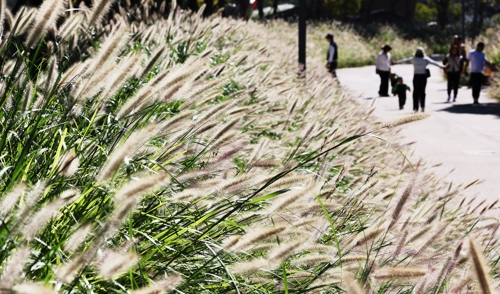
(302, 37)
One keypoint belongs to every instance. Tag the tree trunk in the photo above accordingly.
(442, 9)
(474, 20)
(480, 16)
(275, 7)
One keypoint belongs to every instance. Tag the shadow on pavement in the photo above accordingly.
(483, 108)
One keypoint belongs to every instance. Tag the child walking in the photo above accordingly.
(400, 89)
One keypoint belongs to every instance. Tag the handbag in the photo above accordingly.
(427, 73)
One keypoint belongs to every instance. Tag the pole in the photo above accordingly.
(302, 36)
(463, 20)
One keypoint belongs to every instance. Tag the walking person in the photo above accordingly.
(453, 63)
(478, 61)
(420, 75)
(332, 55)
(383, 69)
(400, 89)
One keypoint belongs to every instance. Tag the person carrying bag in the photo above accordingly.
(420, 75)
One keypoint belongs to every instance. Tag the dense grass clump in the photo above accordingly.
(149, 155)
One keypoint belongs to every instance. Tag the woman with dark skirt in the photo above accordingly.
(420, 75)
(453, 63)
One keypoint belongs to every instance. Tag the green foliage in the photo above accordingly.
(342, 8)
(425, 13)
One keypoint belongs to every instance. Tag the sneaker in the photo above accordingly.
(455, 99)
(448, 100)
(423, 109)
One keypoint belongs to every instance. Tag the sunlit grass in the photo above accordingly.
(186, 154)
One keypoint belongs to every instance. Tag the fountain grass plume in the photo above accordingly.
(255, 236)
(45, 17)
(480, 266)
(14, 267)
(30, 288)
(3, 12)
(136, 139)
(77, 238)
(10, 199)
(51, 210)
(99, 9)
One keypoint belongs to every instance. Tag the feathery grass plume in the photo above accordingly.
(40, 218)
(251, 266)
(22, 20)
(399, 206)
(136, 140)
(70, 25)
(122, 74)
(365, 237)
(352, 286)
(141, 186)
(142, 96)
(420, 233)
(285, 250)
(288, 198)
(480, 266)
(405, 120)
(11, 198)
(254, 236)
(14, 267)
(314, 259)
(28, 92)
(45, 17)
(69, 163)
(401, 243)
(439, 232)
(153, 61)
(398, 273)
(3, 9)
(108, 50)
(116, 263)
(77, 238)
(226, 128)
(51, 75)
(167, 284)
(32, 289)
(99, 9)
(31, 199)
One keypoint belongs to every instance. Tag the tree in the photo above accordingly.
(342, 8)
(442, 7)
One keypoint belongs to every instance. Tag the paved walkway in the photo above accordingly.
(463, 137)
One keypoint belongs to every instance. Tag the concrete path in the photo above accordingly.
(463, 137)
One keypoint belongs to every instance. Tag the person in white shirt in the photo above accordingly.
(478, 61)
(420, 75)
(453, 62)
(332, 55)
(383, 69)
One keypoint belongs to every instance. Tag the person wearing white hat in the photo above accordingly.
(383, 69)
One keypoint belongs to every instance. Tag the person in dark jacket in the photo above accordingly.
(453, 62)
(400, 89)
(332, 55)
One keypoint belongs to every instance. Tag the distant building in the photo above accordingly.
(381, 9)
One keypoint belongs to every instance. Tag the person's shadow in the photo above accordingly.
(483, 108)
